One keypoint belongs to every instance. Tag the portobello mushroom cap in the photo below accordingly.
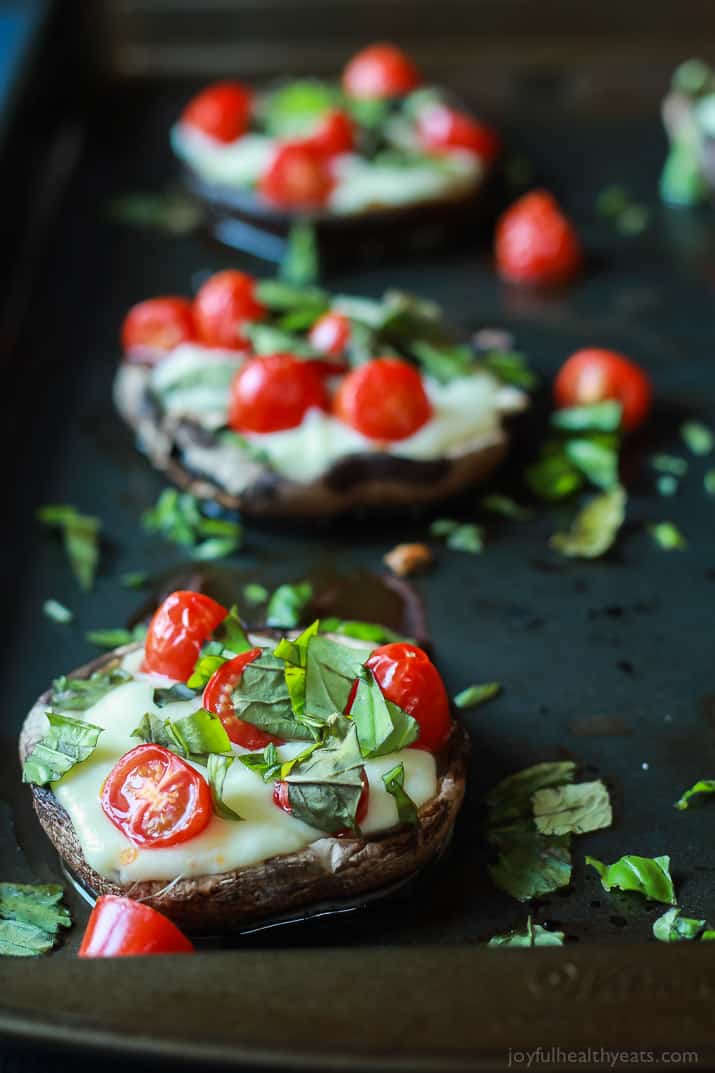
(329, 870)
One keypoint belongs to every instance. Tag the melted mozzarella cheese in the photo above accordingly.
(265, 831)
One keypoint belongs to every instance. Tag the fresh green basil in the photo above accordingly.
(531, 935)
(116, 638)
(372, 632)
(295, 655)
(66, 743)
(134, 579)
(443, 363)
(80, 534)
(179, 518)
(79, 694)
(266, 763)
(510, 367)
(698, 790)
(57, 612)
(330, 673)
(669, 464)
(216, 770)
(649, 876)
(30, 918)
(597, 417)
(269, 339)
(262, 699)
(709, 482)
(382, 727)
(255, 594)
(280, 296)
(324, 790)
(193, 737)
(553, 476)
(697, 437)
(667, 536)
(300, 263)
(473, 696)
(597, 461)
(459, 536)
(506, 507)
(671, 927)
(394, 781)
(595, 528)
(572, 809)
(173, 694)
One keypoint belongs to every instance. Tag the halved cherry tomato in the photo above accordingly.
(281, 798)
(384, 399)
(298, 176)
(221, 111)
(225, 302)
(408, 677)
(218, 698)
(330, 334)
(535, 243)
(381, 70)
(154, 327)
(120, 927)
(593, 375)
(441, 129)
(273, 393)
(155, 798)
(335, 133)
(179, 627)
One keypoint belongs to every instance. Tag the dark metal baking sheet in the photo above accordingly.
(404, 983)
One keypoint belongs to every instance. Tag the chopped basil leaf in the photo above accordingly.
(701, 787)
(283, 297)
(293, 109)
(598, 417)
(178, 517)
(295, 655)
(649, 876)
(206, 665)
(698, 438)
(672, 464)
(269, 339)
(671, 927)
(66, 743)
(324, 790)
(394, 781)
(330, 673)
(361, 631)
(216, 771)
(287, 604)
(667, 536)
(460, 536)
(30, 918)
(194, 736)
(178, 692)
(612, 200)
(79, 694)
(572, 809)
(443, 362)
(172, 211)
(116, 638)
(553, 476)
(57, 612)
(510, 799)
(473, 696)
(80, 534)
(255, 594)
(262, 699)
(382, 727)
(511, 367)
(709, 482)
(667, 485)
(134, 579)
(532, 935)
(231, 634)
(595, 527)
(506, 507)
(266, 763)
(597, 461)
(301, 261)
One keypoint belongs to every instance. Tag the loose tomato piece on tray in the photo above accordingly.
(223, 305)
(154, 327)
(221, 111)
(177, 631)
(298, 176)
(535, 243)
(335, 134)
(155, 798)
(384, 399)
(120, 927)
(281, 798)
(330, 334)
(381, 70)
(218, 698)
(594, 375)
(408, 677)
(442, 129)
(274, 393)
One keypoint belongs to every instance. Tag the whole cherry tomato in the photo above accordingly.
(381, 70)
(218, 698)
(155, 798)
(281, 798)
(154, 327)
(593, 375)
(535, 243)
(221, 111)
(330, 334)
(297, 177)
(120, 927)
(335, 133)
(177, 631)
(384, 399)
(225, 302)
(408, 677)
(441, 129)
(273, 393)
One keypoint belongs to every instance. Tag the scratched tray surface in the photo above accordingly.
(624, 643)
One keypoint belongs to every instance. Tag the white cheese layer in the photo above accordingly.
(265, 831)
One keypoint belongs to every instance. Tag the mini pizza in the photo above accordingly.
(379, 139)
(280, 400)
(227, 779)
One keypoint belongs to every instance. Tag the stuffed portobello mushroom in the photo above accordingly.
(281, 400)
(226, 779)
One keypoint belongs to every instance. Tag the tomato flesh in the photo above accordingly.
(535, 243)
(408, 677)
(177, 631)
(273, 393)
(223, 305)
(154, 327)
(442, 129)
(155, 798)
(330, 334)
(297, 177)
(281, 798)
(384, 399)
(335, 134)
(120, 927)
(221, 111)
(218, 698)
(594, 375)
(378, 71)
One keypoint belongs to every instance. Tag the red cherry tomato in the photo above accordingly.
(281, 798)
(593, 375)
(221, 111)
(179, 627)
(218, 698)
(408, 677)
(384, 399)
(535, 243)
(380, 71)
(441, 129)
(330, 334)
(335, 134)
(225, 302)
(297, 177)
(153, 328)
(155, 798)
(273, 393)
(121, 927)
